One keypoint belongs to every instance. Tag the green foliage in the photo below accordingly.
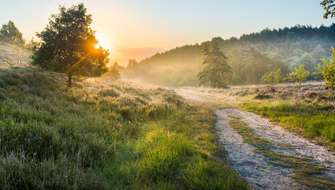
(10, 33)
(250, 56)
(313, 121)
(328, 70)
(104, 136)
(329, 7)
(216, 71)
(273, 77)
(114, 72)
(68, 45)
(299, 74)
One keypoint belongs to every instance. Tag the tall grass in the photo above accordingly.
(103, 137)
(311, 120)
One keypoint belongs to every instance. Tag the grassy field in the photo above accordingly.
(98, 136)
(313, 121)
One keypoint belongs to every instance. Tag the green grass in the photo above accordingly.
(314, 121)
(111, 137)
(306, 172)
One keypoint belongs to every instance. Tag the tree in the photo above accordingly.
(115, 71)
(10, 33)
(132, 63)
(328, 70)
(68, 45)
(299, 74)
(329, 7)
(216, 72)
(273, 77)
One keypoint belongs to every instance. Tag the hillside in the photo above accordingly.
(102, 134)
(254, 54)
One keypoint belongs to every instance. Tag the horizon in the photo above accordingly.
(137, 30)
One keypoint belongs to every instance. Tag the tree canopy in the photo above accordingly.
(10, 33)
(216, 71)
(68, 45)
(329, 7)
(328, 70)
(299, 74)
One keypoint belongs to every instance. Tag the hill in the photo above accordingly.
(102, 134)
(255, 54)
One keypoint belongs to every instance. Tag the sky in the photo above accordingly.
(140, 28)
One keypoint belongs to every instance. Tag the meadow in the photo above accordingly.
(99, 135)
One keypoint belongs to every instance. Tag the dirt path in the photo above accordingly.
(266, 155)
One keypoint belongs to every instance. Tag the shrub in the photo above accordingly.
(328, 70)
(273, 77)
(299, 74)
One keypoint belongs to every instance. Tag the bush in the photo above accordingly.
(273, 77)
(328, 70)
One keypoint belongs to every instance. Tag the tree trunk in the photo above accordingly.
(69, 81)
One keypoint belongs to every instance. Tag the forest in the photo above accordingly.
(251, 56)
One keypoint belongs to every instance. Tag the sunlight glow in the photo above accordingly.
(103, 41)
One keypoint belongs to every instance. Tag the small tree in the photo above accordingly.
(68, 45)
(10, 33)
(328, 70)
(299, 74)
(114, 71)
(217, 72)
(273, 77)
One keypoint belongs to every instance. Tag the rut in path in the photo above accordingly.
(269, 157)
(266, 155)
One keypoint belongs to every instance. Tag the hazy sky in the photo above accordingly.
(138, 28)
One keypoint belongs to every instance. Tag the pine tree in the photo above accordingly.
(216, 72)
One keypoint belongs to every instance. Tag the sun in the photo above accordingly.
(102, 41)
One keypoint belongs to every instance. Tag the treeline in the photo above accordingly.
(251, 56)
(290, 33)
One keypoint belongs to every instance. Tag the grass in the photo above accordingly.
(97, 136)
(306, 172)
(313, 121)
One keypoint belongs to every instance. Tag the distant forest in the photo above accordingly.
(250, 56)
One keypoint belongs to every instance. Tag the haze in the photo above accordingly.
(137, 29)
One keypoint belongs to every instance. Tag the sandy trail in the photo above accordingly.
(260, 171)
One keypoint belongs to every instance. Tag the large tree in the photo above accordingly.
(68, 45)
(216, 72)
(10, 33)
(329, 7)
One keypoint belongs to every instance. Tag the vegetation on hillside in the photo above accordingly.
(68, 45)
(100, 135)
(251, 56)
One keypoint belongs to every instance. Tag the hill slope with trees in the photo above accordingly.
(250, 56)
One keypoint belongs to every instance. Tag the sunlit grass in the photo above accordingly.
(312, 121)
(114, 137)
